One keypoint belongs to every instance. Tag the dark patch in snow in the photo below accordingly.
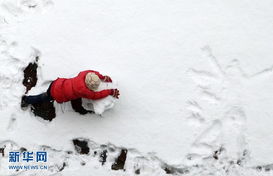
(103, 157)
(239, 162)
(77, 107)
(259, 168)
(174, 170)
(183, 170)
(111, 149)
(243, 159)
(63, 166)
(83, 163)
(266, 168)
(137, 172)
(81, 146)
(69, 152)
(45, 110)
(217, 153)
(30, 75)
(120, 161)
(168, 170)
(23, 149)
(32, 6)
(103, 146)
(2, 150)
(231, 162)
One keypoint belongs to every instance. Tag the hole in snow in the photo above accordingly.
(30, 76)
(168, 170)
(81, 146)
(103, 157)
(2, 151)
(137, 172)
(44, 110)
(120, 161)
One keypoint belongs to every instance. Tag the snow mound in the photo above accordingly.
(101, 105)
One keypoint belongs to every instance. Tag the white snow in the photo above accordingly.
(195, 77)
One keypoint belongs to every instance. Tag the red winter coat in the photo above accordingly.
(63, 89)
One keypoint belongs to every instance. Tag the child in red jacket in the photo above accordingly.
(66, 89)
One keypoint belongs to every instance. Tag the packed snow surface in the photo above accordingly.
(195, 78)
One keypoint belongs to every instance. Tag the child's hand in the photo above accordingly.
(107, 79)
(115, 93)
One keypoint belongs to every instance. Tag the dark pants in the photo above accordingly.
(46, 97)
(77, 107)
(43, 97)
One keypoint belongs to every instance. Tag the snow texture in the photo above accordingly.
(195, 78)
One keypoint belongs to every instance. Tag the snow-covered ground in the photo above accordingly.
(195, 77)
